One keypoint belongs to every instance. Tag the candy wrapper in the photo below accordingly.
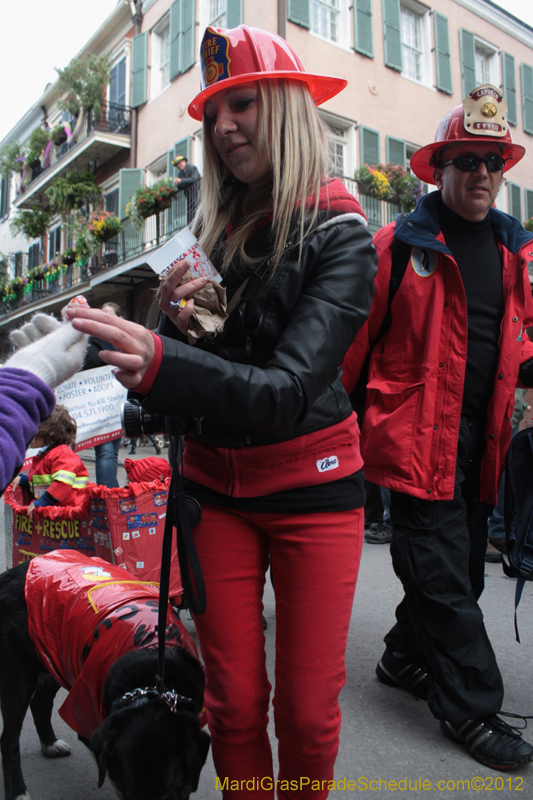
(79, 300)
(210, 302)
(209, 313)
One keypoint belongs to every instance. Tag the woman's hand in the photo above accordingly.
(134, 343)
(16, 482)
(170, 291)
(30, 510)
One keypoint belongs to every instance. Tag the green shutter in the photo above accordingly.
(362, 22)
(234, 13)
(442, 53)
(175, 38)
(129, 180)
(395, 151)
(187, 35)
(468, 61)
(139, 60)
(526, 75)
(515, 205)
(529, 203)
(392, 42)
(509, 88)
(369, 146)
(298, 11)
(182, 30)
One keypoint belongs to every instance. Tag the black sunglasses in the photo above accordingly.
(471, 163)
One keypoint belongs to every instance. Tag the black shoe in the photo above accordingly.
(382, 534)
(491, 742)
(492, 556)
(404, 672)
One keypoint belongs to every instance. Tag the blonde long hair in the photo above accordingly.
(291, 129)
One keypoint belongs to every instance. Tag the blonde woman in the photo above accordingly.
(272, 450)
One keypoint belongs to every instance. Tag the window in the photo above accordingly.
(486, 64)
(217, 13)
(411, 34)
(515, 204)
(416, 44)
(336, 145)
(528, 197)
(329, 20)
(54, 242)
(4, 197)
(160, 57)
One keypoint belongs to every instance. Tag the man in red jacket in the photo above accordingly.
(436, 426)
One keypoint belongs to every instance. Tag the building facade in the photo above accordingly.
(407, 64)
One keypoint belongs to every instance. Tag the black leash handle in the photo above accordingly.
(187, 556)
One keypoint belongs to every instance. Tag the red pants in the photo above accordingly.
(315, 560)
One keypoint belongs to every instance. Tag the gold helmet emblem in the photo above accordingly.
(489, 110)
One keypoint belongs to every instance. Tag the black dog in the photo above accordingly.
(151, 745)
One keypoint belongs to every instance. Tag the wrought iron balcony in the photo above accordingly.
(94, 141)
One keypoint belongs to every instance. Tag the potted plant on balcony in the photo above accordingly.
(31, 222)
(149, 200)
(73, 191)
(528, 224)
(406, 188)
(103, 226)
(68, 256)
(35, 147)
(14, 288)
(82, 83)
(11, 159)
(58, 134)
(372, 181)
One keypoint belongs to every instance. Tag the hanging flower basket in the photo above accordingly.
(68, 257)
(103, 226)
(150, 200)
(59, 135)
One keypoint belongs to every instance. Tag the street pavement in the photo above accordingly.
(391, 746)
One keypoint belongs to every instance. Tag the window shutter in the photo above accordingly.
(175, 38)
(298, 12)
(395, 151)
(468, 61)
(187, 35)
(139, 60)
(509, 88)
(392, 42)
(4, 198)
(369, 147)
(362, 21)
(529, 203)
(515, 206)
(234, 13)
(526, 74)
(442, 53)
(129, 180)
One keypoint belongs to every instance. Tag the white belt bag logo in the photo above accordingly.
(325, 464)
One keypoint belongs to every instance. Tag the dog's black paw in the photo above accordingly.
(59, 749)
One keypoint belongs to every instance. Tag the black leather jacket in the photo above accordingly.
(274, 373)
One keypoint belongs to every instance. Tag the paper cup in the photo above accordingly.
(183, 246)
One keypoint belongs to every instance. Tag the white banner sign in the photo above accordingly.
(93, 398)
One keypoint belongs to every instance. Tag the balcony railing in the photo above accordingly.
(131, 243)
(114, 118)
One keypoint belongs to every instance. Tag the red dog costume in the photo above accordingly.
(83, 614)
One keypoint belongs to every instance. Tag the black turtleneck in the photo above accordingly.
(474, 248)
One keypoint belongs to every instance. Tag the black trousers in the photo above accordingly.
(438, 552)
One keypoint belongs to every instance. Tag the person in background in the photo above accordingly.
(436, 426)
(189, 182)
(106, 453)
(57, 474)
(496, 544)
(271, 452)
(49, 352)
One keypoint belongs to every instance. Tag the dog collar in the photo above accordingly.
(170, 696)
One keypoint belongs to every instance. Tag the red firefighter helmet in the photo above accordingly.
(239, 55)
(482, 117)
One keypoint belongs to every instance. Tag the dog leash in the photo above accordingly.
(187, 556)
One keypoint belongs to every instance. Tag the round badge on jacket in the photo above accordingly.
(424, 262)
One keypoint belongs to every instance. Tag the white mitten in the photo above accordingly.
(53, 356)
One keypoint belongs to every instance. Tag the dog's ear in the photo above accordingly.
(195, 756)
(100, 745)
